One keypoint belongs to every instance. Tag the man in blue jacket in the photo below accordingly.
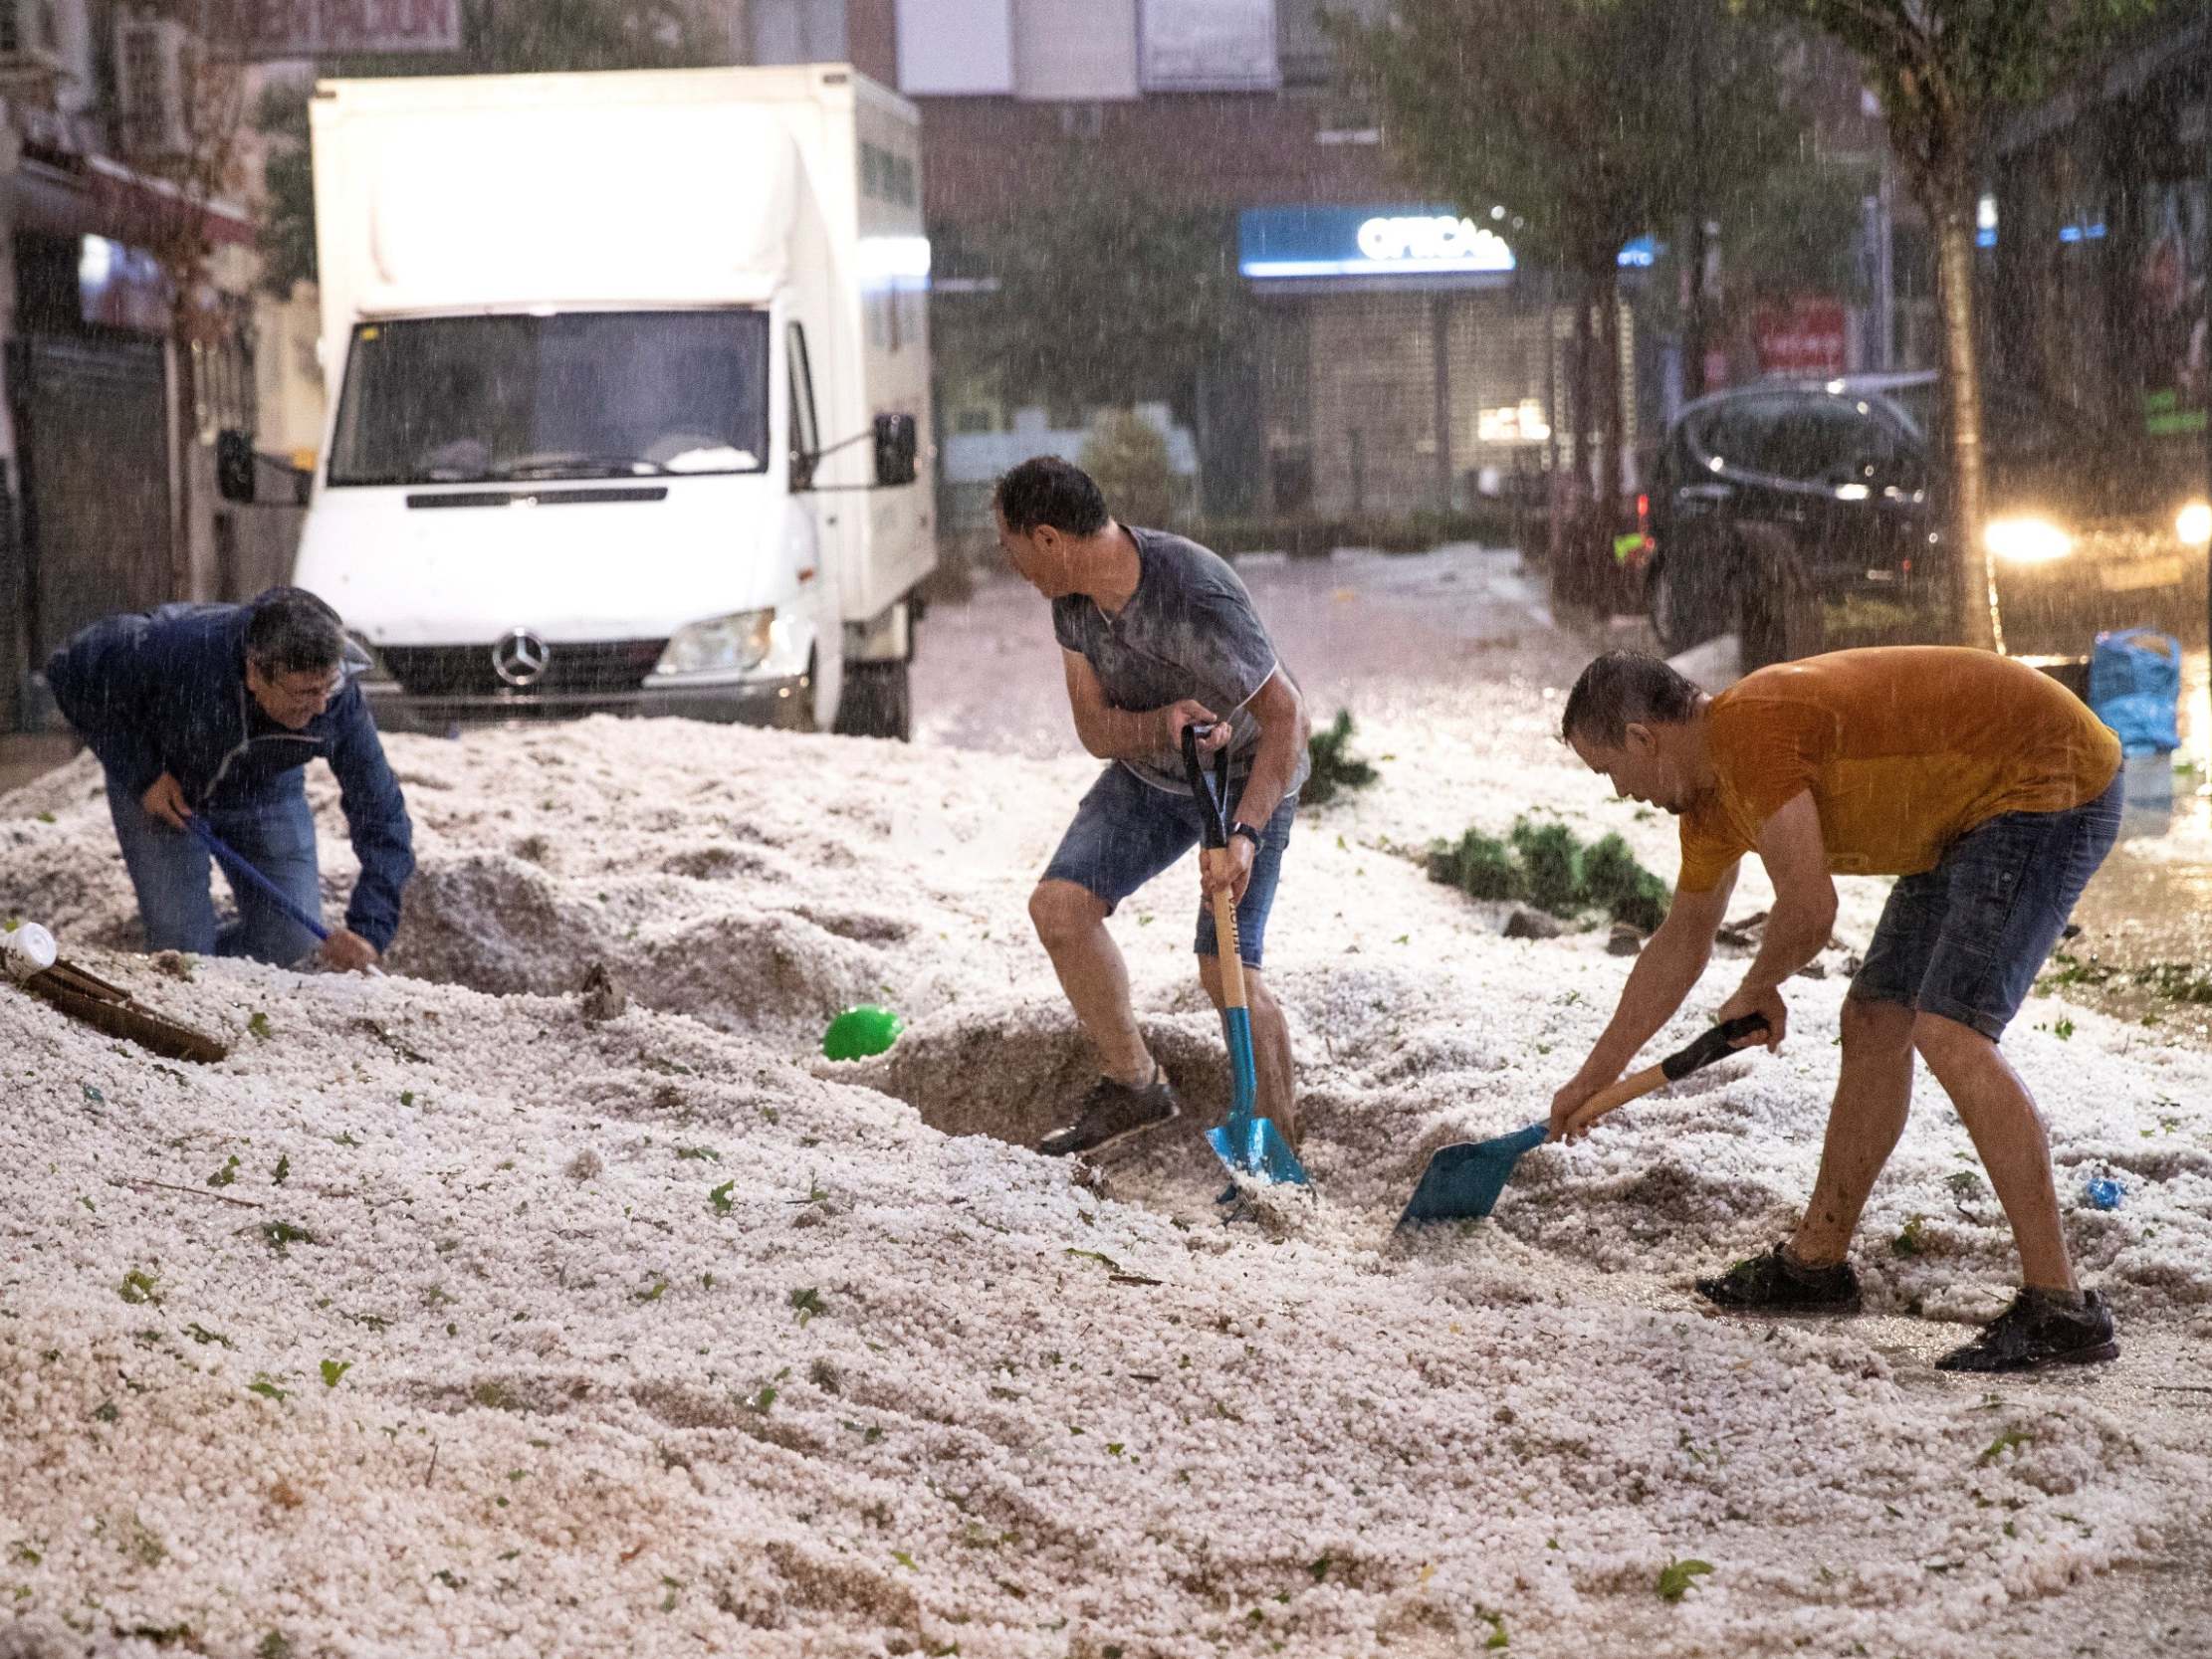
(216, 710)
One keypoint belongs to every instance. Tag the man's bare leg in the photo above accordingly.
(2000, 1114)
(1072, 922)
(1874, 1095)
(1271, 1062)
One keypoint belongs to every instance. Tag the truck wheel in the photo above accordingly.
(878, 702)
(1781, 613)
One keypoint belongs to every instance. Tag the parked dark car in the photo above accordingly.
(1773, 501)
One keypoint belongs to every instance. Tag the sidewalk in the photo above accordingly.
(24, 756)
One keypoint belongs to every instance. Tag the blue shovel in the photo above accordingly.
(237, 863)
(1463, 1181)
(1248, 1144)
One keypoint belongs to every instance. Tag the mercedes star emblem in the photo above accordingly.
(520, 657)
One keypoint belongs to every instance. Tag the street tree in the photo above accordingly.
(1795, 230)
(1573, 116)
(1947, 70)
(1108, 299)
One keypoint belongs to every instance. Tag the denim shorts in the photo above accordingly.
(1967, 938)
(1126, 832)
(169, 871)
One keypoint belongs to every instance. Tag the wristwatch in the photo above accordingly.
(1247, 831)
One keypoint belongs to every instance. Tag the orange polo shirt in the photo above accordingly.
(1905, 748)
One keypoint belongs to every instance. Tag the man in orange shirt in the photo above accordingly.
(1994, 794)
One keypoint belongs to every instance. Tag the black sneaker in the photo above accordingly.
(2039, 1331)
(1773, 1284)
(1113, 1111)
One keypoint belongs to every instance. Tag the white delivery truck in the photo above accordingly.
(631, 386)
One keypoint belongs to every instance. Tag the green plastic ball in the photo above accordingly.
(860, 1032)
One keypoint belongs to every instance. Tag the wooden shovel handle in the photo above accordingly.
(1717, 1044)
(1229, 954)
(1633, 1087)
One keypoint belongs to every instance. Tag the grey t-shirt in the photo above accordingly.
(1189, 630)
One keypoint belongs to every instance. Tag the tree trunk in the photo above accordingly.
(1973, 570)
(1555, 519)
(1696, 330)
(1581, 392)
(1700, 212)
(186, 435)
(1612, 453)
(1576, 580)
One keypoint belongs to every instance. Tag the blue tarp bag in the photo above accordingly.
(2135, 687)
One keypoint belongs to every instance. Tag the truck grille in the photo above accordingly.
(584, 669)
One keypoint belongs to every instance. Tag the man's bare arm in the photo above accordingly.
(1796, 857)
(1664, 974)
(1130, 733)
(1281, 714)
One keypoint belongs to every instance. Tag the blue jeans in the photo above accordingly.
(1967, 938)
(168, 868)
(1126, 832)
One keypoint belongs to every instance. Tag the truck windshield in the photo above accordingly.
(579, 394)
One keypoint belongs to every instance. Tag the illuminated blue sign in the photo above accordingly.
(1276, 243)
(1279, 242)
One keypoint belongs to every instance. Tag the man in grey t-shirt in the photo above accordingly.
(1156, 634)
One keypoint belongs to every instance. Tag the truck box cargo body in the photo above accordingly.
(631, 379)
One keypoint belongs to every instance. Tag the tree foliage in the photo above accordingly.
(1571, 113)
(1099, 298)
(1572, 117)
(1796, 229)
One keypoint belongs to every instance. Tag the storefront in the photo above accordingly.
(88, 440)
(1408, 362)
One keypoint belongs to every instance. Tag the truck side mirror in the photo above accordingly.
(234, 466)
(898, 442)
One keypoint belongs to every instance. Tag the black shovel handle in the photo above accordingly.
(1717, 1044)
(1212, 798)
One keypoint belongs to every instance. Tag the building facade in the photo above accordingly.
(1406, 361)
(91, 105)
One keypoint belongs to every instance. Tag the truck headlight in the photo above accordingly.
(2193, 523)
(2027, 540)
(730, 644)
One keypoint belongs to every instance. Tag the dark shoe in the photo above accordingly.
(1113, 1111)
(2037, 1331)
(1773, 1284)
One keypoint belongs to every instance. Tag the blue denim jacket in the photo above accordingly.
(165, 690)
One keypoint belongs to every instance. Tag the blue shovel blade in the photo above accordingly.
(1463, 1181)
(1248, 1144)
(1255, 1146)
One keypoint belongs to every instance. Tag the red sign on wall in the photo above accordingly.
(1809, 339)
